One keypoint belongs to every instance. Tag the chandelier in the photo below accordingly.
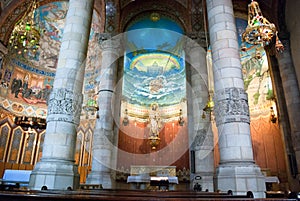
(25, 36)
(91, 106)
(259, 30)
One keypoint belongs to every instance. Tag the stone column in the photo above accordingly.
(57, 169)
(237, 170)
(200, 133)
(291, 94)
(103, 140)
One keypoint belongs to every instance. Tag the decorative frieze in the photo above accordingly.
(64, 105)
(231, 106)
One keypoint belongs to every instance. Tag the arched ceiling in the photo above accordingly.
(180, 9)
(177, 10)
(185, 12)
(11, 12)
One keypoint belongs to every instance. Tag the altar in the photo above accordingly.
(142, 177)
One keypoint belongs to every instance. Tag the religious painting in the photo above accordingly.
(154, 64)
(153, 95)
(257, 80)
(265, 131)
(51, 19)
(27, 86)
(27, 78)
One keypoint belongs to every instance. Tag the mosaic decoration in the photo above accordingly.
(197, 15)
(257, 80)
(51, 19)
(25, 83)
(22, 109)
(26, 80)
(111, 20)
(154, 67)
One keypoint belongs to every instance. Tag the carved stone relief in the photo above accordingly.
(64, 105)
(231, 106)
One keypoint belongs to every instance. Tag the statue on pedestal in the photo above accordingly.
(155, 125)
(155, 121)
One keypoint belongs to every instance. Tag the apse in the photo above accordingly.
(154, 64)
(154, 74)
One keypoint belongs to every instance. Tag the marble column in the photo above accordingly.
(200, 133)
(291, 94)
(103, 139)
(237, 170)
(57, 169)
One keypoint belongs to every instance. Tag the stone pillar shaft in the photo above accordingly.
(103, 134)
(57, 170)
(232, 114)
(291, 94)
(200, 134)
(237, 171)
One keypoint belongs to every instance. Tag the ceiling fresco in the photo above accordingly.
(28, 79)
(51, 19)
(154, 65)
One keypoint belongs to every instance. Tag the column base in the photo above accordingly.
(58, 175)
(103, 178)
(241, 178)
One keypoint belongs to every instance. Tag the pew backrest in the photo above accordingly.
(12, 177)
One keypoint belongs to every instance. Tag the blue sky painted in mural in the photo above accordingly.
(154, 65)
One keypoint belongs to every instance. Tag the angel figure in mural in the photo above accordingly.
(154, 119)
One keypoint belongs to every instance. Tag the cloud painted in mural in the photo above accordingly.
(154, 63)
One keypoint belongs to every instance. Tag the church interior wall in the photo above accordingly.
(20, 150)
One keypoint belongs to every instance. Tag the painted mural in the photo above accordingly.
(51, 18)
(25, 89)
(154, 95)
(154, 65)
(266, 136)
(257, 80)
(27, 79)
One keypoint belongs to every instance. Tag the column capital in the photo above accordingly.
(108, 42)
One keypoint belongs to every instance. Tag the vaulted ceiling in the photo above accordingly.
(185, 11)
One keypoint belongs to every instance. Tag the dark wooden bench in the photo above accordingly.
(91, 186)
